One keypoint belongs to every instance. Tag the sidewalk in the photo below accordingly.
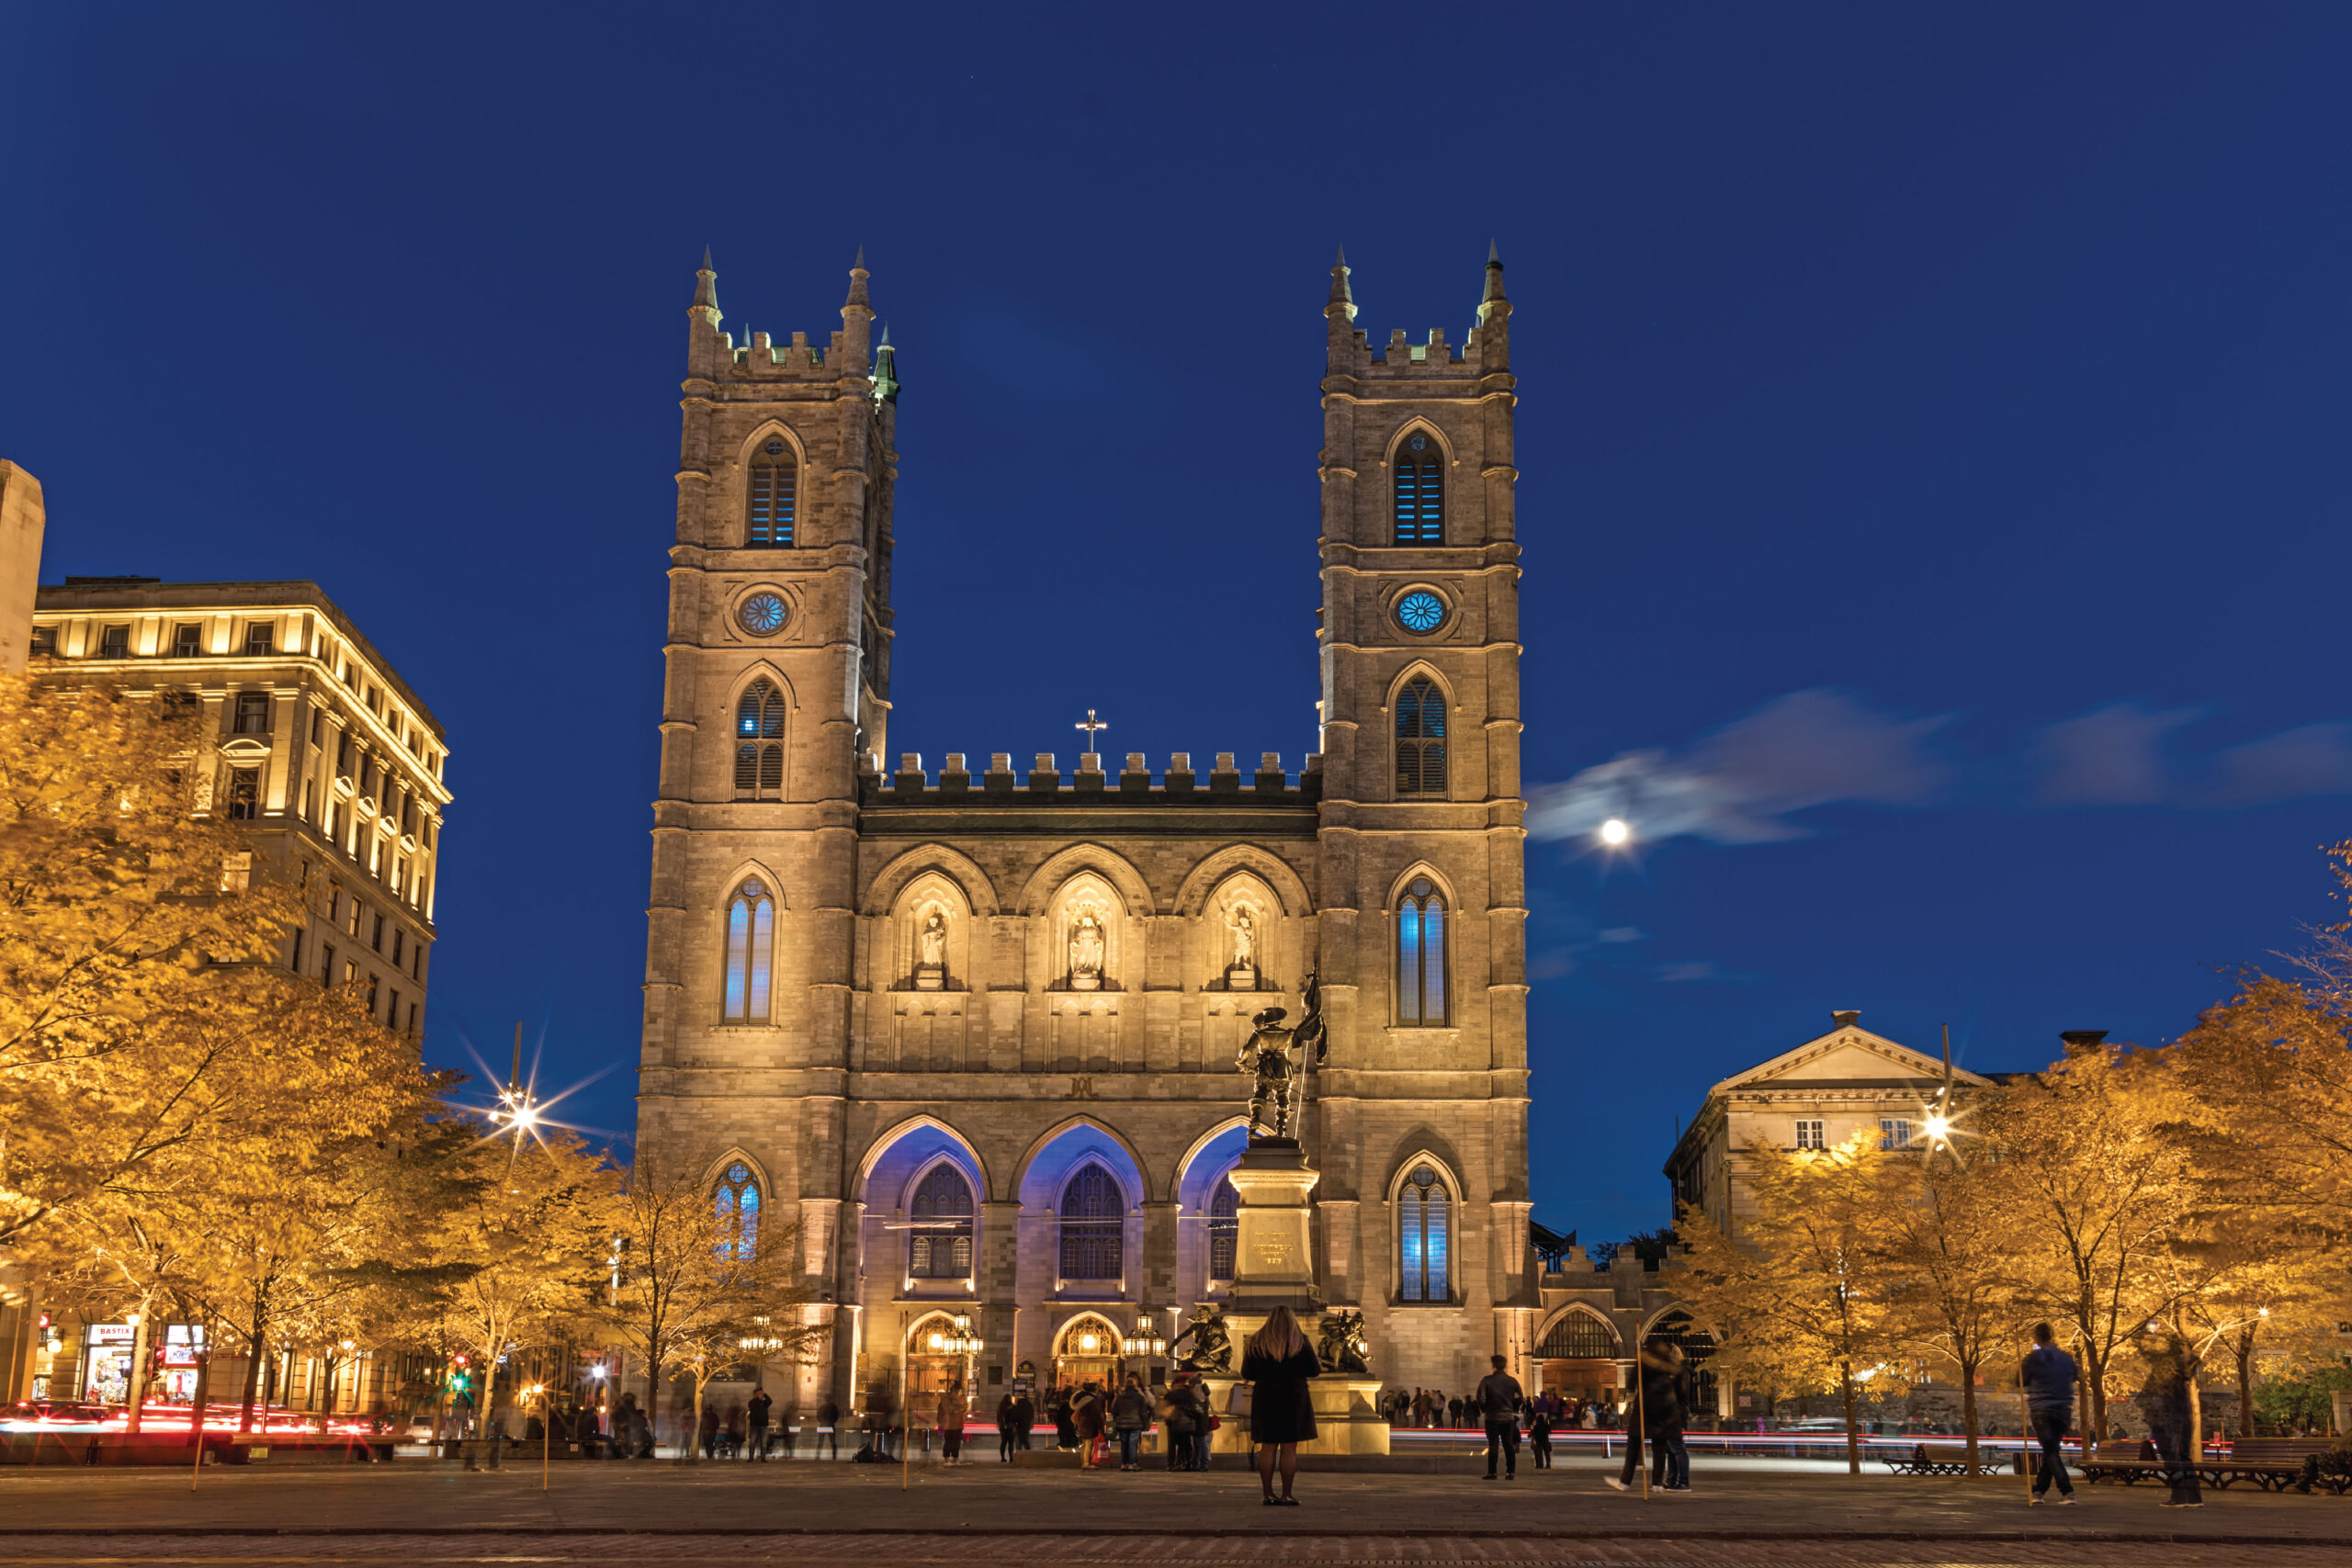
(984, 1498)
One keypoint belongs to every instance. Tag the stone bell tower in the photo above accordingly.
(1422, 941)
(777, 683)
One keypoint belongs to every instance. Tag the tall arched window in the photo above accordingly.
(759, 743)
(1225, 1228)
(738, 1206)
(1421, 738)
(772, 495)
(751, 933)
(1424, 1236)
(940, 1245)
(1094, 1217)
(1420, 956)
(1421, 490)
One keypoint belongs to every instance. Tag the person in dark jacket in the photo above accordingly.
(2163, 1400)
(1025, 1418)
(1130, 1419)
(1498, 1401)
(756, 1413)
(829, 1430)
(2048, 1377)
(1188, 1420)
(1658, 1413)
(1005, 1422)
(1276, 1362)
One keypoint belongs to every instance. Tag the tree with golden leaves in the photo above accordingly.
(130, 919)
(1944, 1239)
(2107, 1191)
(523, 1243)
(1798, 1296)
(694, 1284)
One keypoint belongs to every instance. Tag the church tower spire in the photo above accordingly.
(857, 313)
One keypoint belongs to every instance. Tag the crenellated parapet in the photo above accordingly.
(1043, 782)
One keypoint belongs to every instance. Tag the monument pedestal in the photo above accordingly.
(1274, 1266)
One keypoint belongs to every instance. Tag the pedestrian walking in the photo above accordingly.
(1061, 1407)
(1187, 1420)
(1661, 1408)
(1130, 1417)
(1673, 1461)
(757, 1413)
(829, 1430)
(706, 1432)
(732, 1435)
(954, 1408)
(2048, 1377)
(1276, 1362)
(1455, 1409)
(1497, 1398)
(1004, 1423)
(1539, 1433)
(2163, 1402)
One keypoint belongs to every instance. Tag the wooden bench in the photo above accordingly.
(2272, 1464)
(2277, 1463)
(1945, 1461)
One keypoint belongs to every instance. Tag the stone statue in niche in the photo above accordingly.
(1086, 951)
(1241, 975)
(930, 951)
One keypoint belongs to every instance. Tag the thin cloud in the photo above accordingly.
(2121, 755)
(1742, 784)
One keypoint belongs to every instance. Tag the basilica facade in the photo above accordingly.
(965, 1035)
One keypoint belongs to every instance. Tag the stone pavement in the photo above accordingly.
(419, 1512)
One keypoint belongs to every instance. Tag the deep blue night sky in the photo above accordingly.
(1933, 430)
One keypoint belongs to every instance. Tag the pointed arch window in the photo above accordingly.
(1420, 956)
(1421, 738)
(759, 743)
(738, 1214)
(773, 495)
(1421, 490)
(751, 935)
(1225, 1228)
(1425, 1238)
(1093, 1220)
(940, 1245)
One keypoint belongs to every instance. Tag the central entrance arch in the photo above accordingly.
(931, 1369)
(1578, 1355)
(1087, 1351)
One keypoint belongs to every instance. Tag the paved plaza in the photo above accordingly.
(419, 1512)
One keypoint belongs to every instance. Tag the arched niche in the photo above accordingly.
(893, 1162)
(1246, 943)
(1087, 936)
(930, 941)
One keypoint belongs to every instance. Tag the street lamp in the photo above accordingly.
(1145, 1344)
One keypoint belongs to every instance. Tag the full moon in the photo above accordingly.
(1614, 832)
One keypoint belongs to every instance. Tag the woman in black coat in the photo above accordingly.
(1277, 1361)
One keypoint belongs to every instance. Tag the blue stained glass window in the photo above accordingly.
(736, 1210)
(940, 1245)
(1420, 956)
(1093, 1211)
(1420, 492)
(1420, 611)
(762, 614)
(1225, 1229)
(751, 935)
(1424, 1212)
(1415, 1263)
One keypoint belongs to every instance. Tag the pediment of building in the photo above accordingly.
(1848, 1056)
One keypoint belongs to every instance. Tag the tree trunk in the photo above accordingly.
(2246, 1385)
(2090, 1391)
(203, 1387)
(1968, 1410)
(136, 1394)
(256, 1345)
(694, 1434)
(489, 1399)
(653, 1387)
(2196, 1419)
(1853, 1434)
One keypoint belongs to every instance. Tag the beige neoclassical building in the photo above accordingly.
(968, 1029)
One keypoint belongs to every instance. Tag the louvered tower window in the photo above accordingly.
(737, 1206)
(1420, 492)
(1420, 956)
(940, 1246)
(1424, 1236)
(759, 743)
(751, 935)
(1093, 1215)
(774, 498)
(1421, 738)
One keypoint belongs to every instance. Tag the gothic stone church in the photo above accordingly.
(971, 1033)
